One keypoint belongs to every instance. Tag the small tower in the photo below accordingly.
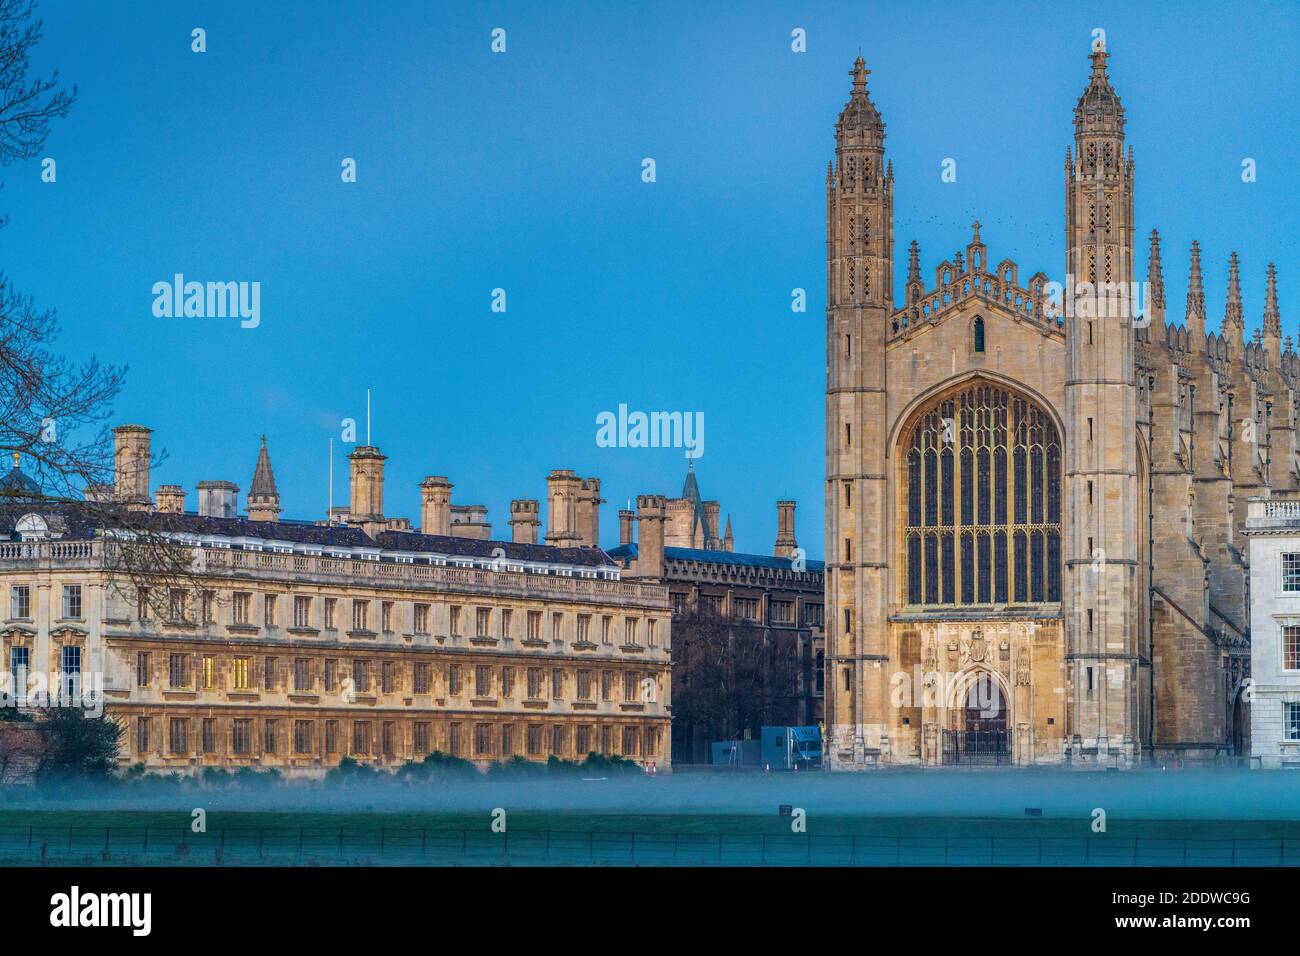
(1155, 294)
(1196, 301)
(1234, 323)
(1272, 319)
(263, 497)
(524, 520)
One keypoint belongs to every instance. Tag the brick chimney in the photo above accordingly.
(562, 488)
(435, 505)
(170, 499)
(625, 519)
(588, 512)
(131, 466)
(651, 513)
(524, 520)
(366, 489)
(785, 541)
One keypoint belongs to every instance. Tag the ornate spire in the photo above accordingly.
(263, 496)
(1099, 107)
(1272, 316)
(860, 112)
(913, 263)
(1196, 298)
(1155, 275)
(1232, 313)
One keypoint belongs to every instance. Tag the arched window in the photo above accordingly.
(981, 500)
(979, 334)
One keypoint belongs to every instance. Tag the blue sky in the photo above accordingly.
(522, 171)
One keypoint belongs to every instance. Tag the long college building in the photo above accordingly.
(1035, 548)
(293, 644)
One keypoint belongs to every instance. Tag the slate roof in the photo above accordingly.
(627, 551)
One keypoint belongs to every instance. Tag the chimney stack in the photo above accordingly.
(170, 499)
(785, 541)
(131, 466)
(366, 489)
(561, 509)
(217, 499)
(470, 521)
(651, 510)
(625, 519)
(524, 521)
(589, 502)
(435, 505)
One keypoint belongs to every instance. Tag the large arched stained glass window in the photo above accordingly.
(982, 498)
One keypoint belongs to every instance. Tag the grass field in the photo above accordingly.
(957, 819)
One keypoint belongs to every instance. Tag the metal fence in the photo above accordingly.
(288, 846)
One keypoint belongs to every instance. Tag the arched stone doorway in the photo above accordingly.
(978, 724)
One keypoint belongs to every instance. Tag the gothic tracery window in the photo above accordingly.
(982, 500)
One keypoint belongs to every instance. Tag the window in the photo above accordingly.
(482, 680)
(482, 621)
(178, 730)
(745, 608)
(979, 334)
(606, 685)
(557, 626)
(143, 603)
(1291, 647)
(1291, 720)
(606, 739)
(142, 672)
(584, 685)
(630, 739)
(360, 615)
(361, 676)
(241, 735)
(241, 674)
(420, 737)
(301, 673)
(534, 740)
(302, 611)
(507, 681)
(239, 607)
(209, 735)
(420, 678)
(534, 677)
(453, 679)
(361, 738)
(559, 739)
(302, 736)
(631, 690)
(207, 603)
(178, 670)
(1291, 572)
(505, 622)
(20, 601)
(72, 601)
(208, 677)
(982, 505)
(781, 612)
(534, 625)
(70, 661)
(269, 673)
(268, 610)
(507, 740)
(482, 740)
(557, 684)
(421, 619)
(331, 609)
(331, 736)
(387, 677)
(650, 637)
(582, 743)
(177, 605)
(629, 631)
(386, 617)
(584, 628)
(331, 674)
(606, 630)
(20, 659)
(388, 738)
(142, 735)
(453, 739)
(455, 622)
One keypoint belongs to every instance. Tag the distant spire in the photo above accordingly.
(914, 262)
(1232, 313)
(1099, 107)
(263, 496)
(1196, 298)
(1272, 315)
(1155, 275)
(860, 112)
